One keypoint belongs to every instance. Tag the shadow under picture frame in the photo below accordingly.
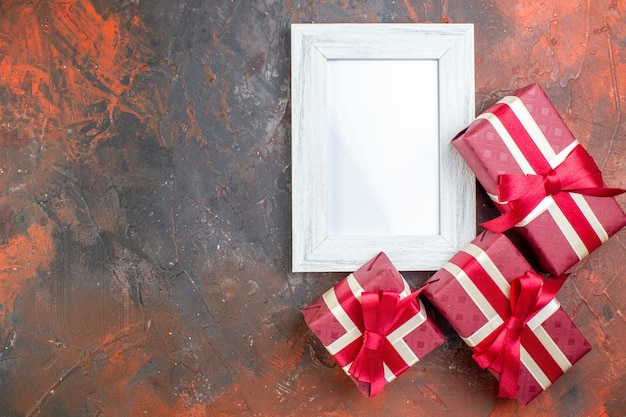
(374, 108)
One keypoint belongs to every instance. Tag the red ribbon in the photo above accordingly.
(500, 352)
(382, 312)
(578, 173)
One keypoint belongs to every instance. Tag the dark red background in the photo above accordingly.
(145, 208)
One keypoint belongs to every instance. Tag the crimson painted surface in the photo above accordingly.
(145, 208)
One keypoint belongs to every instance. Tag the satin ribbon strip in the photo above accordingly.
(382, 311)
(396, 337)
(352, 331)
(493, 318)
(537, 351)
(518, 130)
(393, 315)
(501, 352)
(578, 174)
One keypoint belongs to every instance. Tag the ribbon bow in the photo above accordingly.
(381, 312)
(578, 173)
(501, 351)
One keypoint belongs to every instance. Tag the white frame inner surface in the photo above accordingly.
(383, 147)
(314, 248)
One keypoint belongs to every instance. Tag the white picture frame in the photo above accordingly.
(314, 47)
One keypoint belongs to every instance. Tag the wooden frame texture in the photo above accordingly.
(312, 45)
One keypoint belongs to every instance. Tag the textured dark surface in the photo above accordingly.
(145, 208)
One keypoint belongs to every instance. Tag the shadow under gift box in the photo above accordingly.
(523, 135)
(472, 292)
(336, 318)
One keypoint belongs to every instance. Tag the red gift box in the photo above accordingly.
(541, 179)
(478, 292)
(373, 325)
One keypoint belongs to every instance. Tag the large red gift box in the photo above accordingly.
(548, 187)
(373, 325)
(475, 290)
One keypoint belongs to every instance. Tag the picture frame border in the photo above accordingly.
(312, 45)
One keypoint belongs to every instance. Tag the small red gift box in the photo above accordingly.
(507, 315)
(373, 325)
(542, 180)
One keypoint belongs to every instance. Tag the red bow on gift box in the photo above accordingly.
(501, 351)
(578, 173)
(382, 311)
